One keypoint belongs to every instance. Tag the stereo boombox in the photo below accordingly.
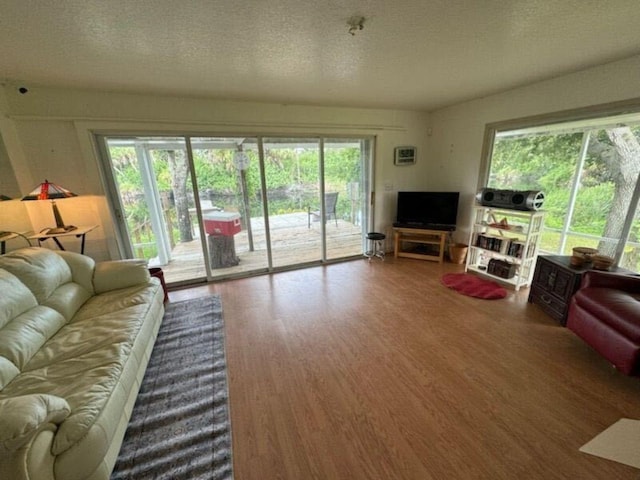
(515, 200)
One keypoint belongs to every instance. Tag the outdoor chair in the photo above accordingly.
(330, 202)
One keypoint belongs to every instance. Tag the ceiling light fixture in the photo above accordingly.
(355, 24)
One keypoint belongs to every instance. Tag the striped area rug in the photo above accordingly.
(180, 423)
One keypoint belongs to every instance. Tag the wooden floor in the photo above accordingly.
(374, 370)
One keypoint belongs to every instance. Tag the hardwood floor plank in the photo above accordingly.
(375, 370)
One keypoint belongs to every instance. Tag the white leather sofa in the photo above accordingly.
(75, 339)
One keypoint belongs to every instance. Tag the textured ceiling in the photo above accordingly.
(410, 54)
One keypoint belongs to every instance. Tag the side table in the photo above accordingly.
(79, 232)
(4, 236)
(555, 281)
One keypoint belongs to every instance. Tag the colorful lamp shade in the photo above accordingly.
(51, 191)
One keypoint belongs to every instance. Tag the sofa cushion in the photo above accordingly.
(83, 337)
(67, 299)
(16, 298)
(8, 371)
(115, 274)
(117, 300)
(618, 309)
(41, 270)
(21, 338)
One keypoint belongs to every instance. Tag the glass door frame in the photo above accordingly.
(123, 241)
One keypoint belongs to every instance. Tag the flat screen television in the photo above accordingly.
(428, 210)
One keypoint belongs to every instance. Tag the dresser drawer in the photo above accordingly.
(552, 305)
(555, 280)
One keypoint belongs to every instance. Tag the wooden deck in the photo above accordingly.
(293, 243)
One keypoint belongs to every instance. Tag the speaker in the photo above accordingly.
(513, 199)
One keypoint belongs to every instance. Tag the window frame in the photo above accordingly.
(584, 114)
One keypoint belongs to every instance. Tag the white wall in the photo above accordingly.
(47, 135)
(13, 213)
(455, 144)
(51, 138)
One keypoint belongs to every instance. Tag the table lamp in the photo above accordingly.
(51, 191)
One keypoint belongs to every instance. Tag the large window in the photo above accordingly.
(588, 171)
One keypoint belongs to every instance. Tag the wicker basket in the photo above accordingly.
(458, 252)
(602, 262)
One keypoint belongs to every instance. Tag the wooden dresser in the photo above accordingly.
(554, 283)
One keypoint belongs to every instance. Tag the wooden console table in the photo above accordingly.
(421, 244)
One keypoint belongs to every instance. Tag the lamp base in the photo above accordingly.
(60, 226)
(59, 230)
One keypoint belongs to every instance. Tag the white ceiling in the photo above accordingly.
(411, 54)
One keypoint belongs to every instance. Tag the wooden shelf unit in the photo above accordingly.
(432, 241)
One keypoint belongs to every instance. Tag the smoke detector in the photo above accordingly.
(355, 24)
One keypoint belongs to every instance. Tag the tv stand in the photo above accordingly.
(420, 243)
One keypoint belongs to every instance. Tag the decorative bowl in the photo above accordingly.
(584, 252)
(576, 261)
(602, 262)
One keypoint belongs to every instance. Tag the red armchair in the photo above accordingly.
(605, 313)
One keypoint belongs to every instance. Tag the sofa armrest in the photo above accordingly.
(82, 268)
(23, 417)
(618, 281)
(115, 274)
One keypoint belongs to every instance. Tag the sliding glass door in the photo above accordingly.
(346, 176)
(154, 201)
(227, 173)
(214, 207)
(293, 191)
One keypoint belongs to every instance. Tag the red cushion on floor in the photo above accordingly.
(474, 286)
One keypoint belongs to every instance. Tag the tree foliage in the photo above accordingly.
(550, 162)
(292, 176)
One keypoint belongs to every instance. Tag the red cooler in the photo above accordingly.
(222, 223)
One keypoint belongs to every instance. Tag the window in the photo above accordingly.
(588, 170)
(220, 207)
